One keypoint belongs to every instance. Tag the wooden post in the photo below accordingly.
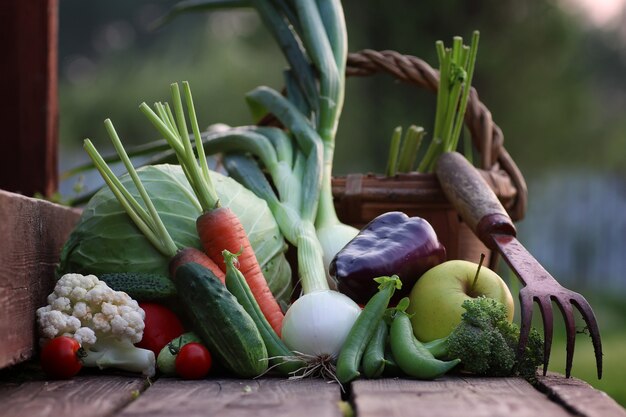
(33, 232)
(29, 106)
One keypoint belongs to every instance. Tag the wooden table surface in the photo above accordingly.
(99, 395)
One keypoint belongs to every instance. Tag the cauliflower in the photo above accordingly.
(105, 322)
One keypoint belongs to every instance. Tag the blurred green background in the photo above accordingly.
(551, 73)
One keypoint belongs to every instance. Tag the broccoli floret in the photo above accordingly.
(486, 342)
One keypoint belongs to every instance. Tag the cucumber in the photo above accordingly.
(224, 326)
(142, 286)
(281, 357)
(166, 361)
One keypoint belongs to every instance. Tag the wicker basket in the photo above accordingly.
(361, 197)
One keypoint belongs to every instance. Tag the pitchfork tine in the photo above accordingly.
(526, 307)
(590, 319)
(570, 328)
(545, 305)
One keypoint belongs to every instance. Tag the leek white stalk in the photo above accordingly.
(318, 322)
(325, 38)
(333, 237)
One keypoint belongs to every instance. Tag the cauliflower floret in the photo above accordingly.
(85, 336)
(82, 311)
(105, 322)
(56, 323)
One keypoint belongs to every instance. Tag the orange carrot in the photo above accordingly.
(188, 255)
(221, 229)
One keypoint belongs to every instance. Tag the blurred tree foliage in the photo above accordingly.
(114, 59)
(553, 87)
(543, 77)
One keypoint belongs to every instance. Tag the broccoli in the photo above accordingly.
(105, 322)
(486, 342)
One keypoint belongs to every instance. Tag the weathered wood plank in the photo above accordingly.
(29, 109)
(580, 397)
(240, 398)
(452, 396)
(32, 233)
(90, 395)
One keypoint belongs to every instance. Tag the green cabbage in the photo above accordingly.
(106, 240)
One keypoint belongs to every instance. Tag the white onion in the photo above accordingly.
(318, 323)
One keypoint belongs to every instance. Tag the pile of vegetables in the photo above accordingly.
(176, 270)
(94, 247)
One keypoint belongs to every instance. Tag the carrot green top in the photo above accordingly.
(173, 126)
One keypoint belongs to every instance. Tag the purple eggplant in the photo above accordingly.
(392, 243)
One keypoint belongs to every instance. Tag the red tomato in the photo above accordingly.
(161, 327)
(193, 361)
(60, 357)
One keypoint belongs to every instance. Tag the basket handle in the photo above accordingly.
(486, 135)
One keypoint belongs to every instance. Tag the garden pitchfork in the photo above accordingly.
(479, 207)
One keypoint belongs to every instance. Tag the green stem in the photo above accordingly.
(451, 110)
(442, 91)
(162, 127)
(291, 48)
(197, 172)
(294, 94)
(394, 149)
(310, 259)
(410, 146)
(480, 264)
(167, 120)
(171, 137)
(245, 170)
(456, 68)
(281, 142)
(471, 62)
(312, 182)
(326, 213)
(441, 110)
(164, 116)
(320, 51)
(308, 139)
(206, 194)
(160, 229)
(197, 137)
(128, 203)
(332, 16)
(457, 49)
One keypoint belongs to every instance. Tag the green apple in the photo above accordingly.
(437, 297)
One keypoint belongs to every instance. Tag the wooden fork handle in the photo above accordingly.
(472, 197)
